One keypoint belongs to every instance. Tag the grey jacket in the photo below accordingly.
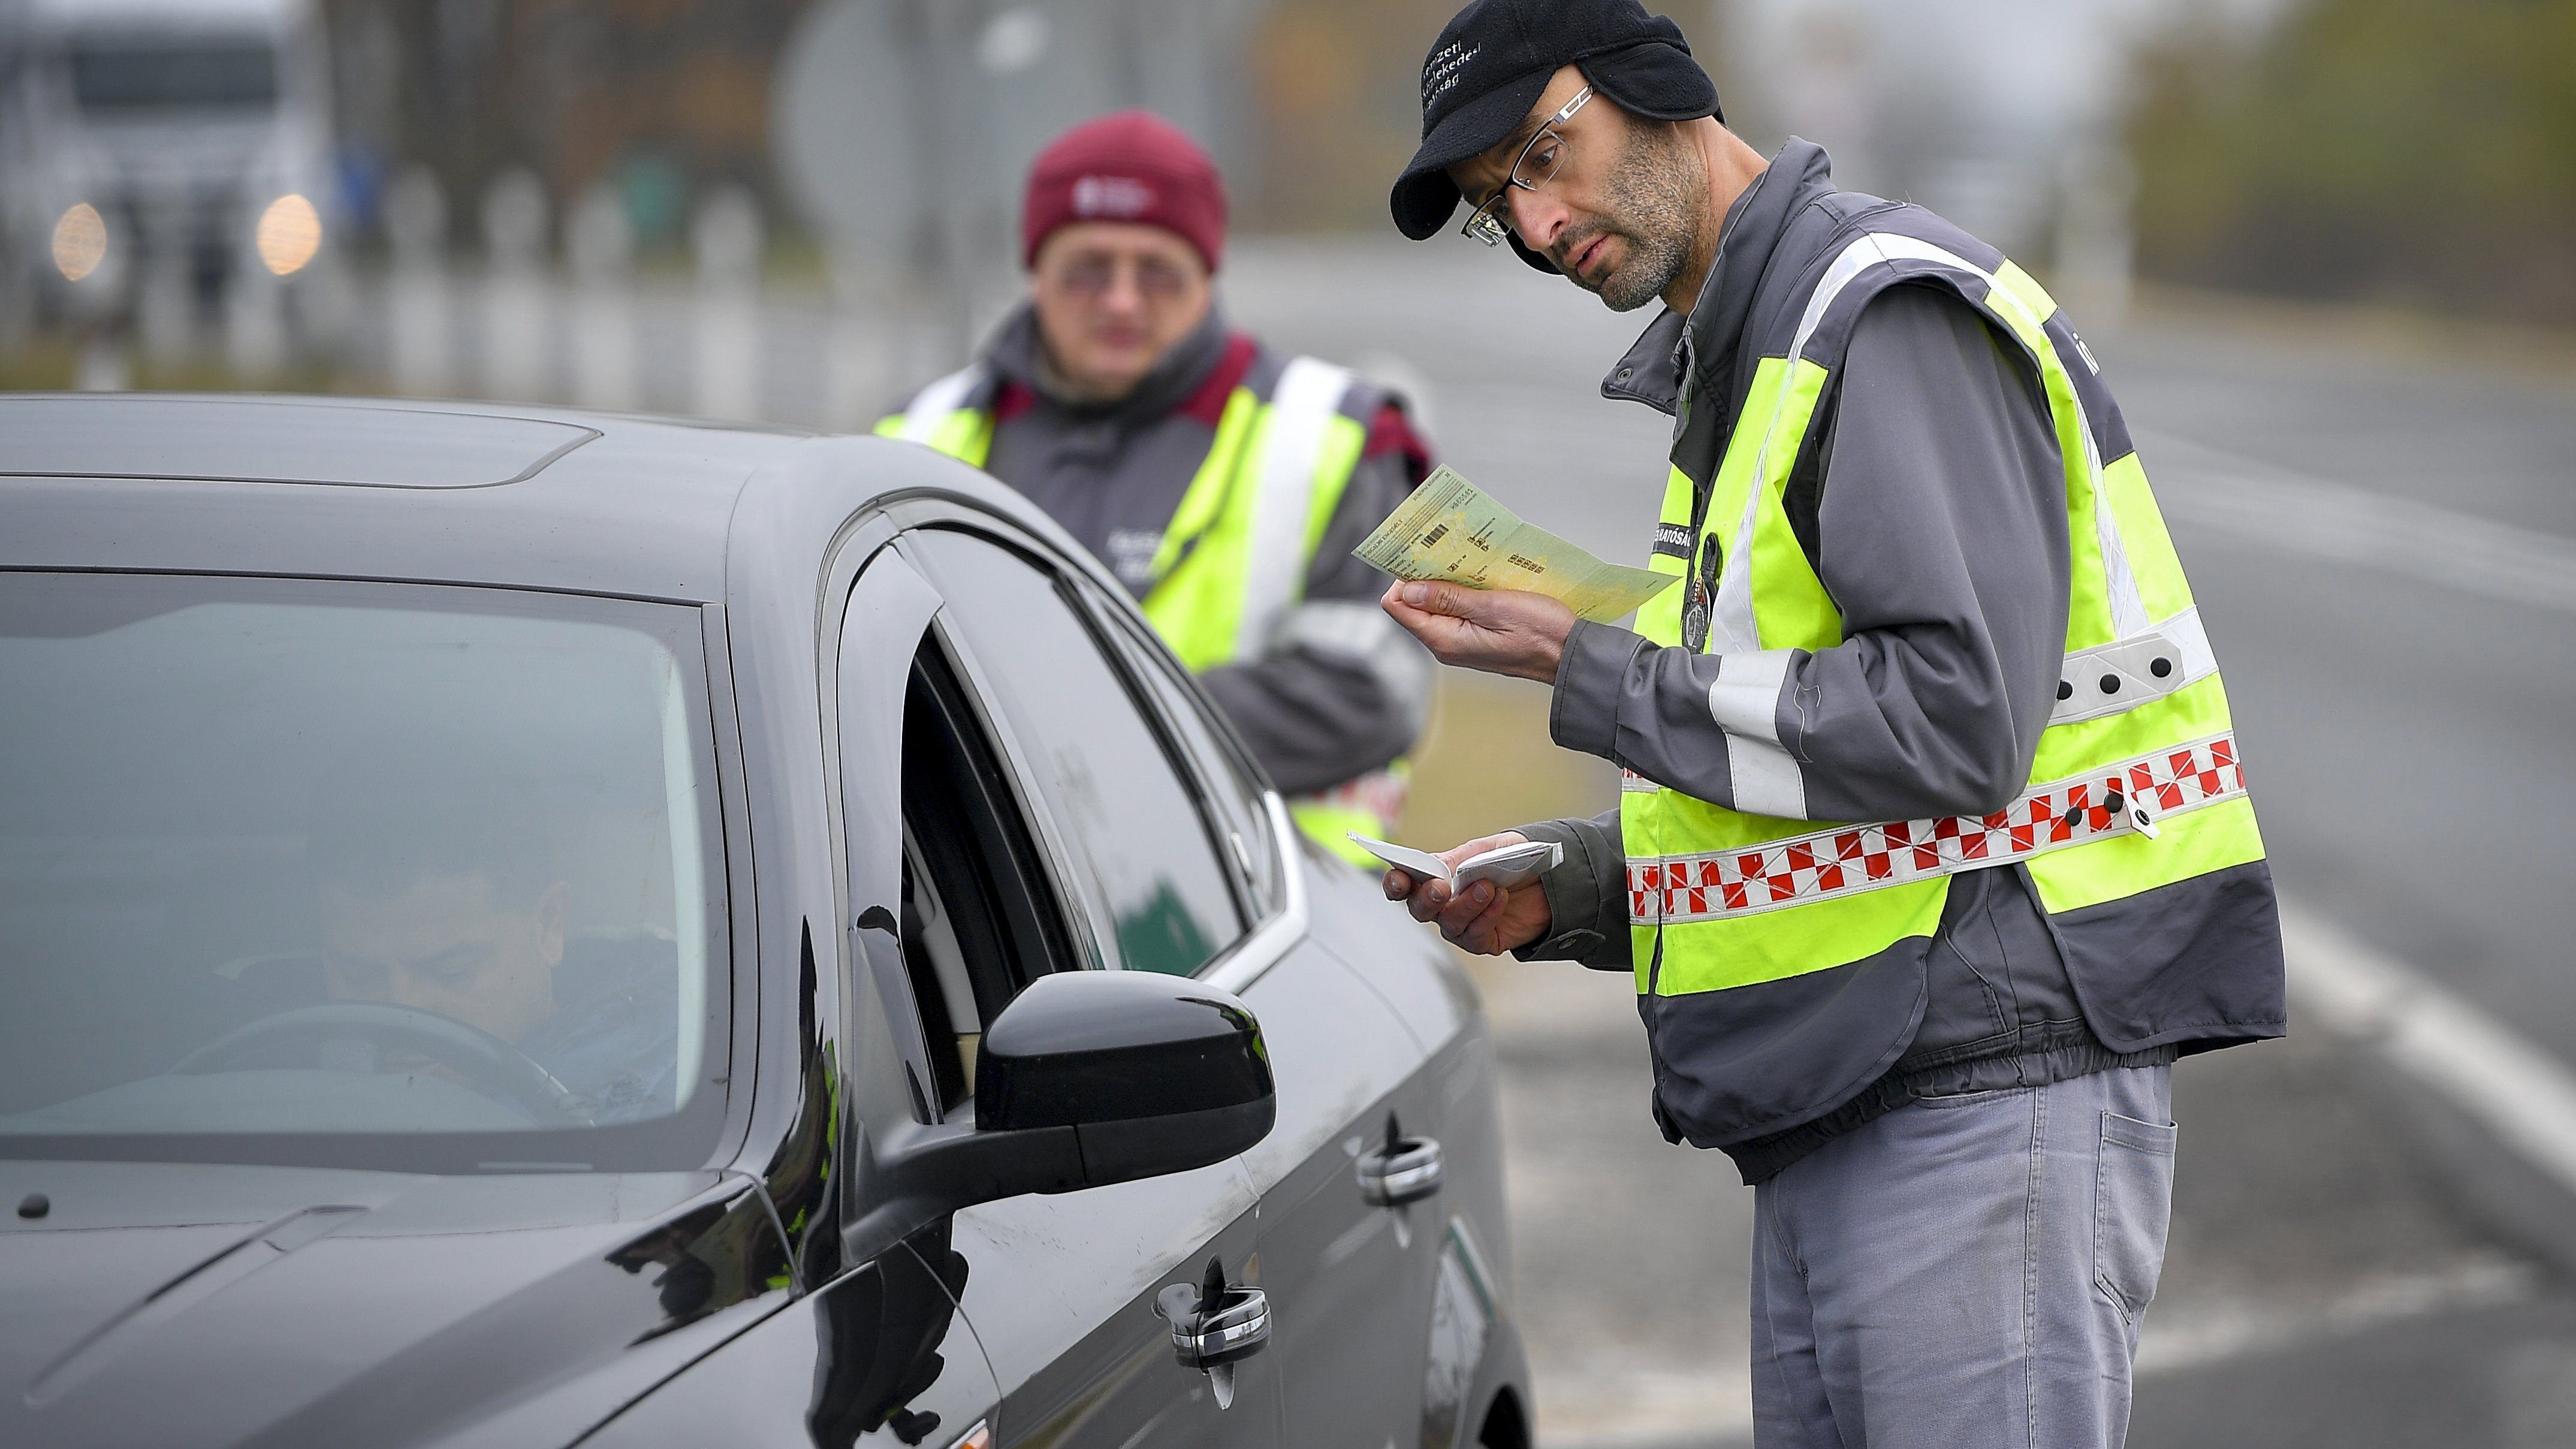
(1932, 505)
(1340, 690)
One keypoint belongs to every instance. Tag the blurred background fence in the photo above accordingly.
(557, 199)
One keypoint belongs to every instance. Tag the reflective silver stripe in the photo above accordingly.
(1363, 632)
(1274, 566)
(1744, 699)
(932, 405)
(2122, 798)
(1732, 619)
(2130, 669)
(1767, 780)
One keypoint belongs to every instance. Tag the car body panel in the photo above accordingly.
(387, 1306)
(878, 1356)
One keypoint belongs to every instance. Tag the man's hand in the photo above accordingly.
(1485, 920)
(1499, 631)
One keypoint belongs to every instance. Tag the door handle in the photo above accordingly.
(1405, 1169)
(1214, 1326)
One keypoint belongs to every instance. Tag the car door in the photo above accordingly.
(1352, 1276)
(1035, 836)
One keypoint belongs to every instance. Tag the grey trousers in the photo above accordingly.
(1965, 1272)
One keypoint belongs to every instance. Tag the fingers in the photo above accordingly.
(1483, 934)
(1463, 909)
(1457, 856)
(1434, 598)
(1428, 900)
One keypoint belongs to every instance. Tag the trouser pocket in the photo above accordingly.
(2132, 1208)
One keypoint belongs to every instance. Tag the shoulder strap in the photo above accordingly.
(933, 404)
(1869, 259)
(1303, 405)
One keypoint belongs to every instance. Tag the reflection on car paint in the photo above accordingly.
(1464, 1310)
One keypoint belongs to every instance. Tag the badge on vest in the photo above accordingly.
(1131, 556)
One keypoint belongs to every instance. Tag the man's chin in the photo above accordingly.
(1621, 290)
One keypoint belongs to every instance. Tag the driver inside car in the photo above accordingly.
(443, 897)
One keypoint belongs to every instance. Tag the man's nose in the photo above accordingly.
(1536, 219)
(1123, 295)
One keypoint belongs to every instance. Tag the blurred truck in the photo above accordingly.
(163, 156)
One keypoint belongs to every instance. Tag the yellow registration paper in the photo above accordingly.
(1449, 531)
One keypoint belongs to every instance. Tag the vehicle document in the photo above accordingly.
(1509, 867)
(1449, 530)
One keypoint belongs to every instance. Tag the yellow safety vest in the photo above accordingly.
(1233, 560)
(2136, 783)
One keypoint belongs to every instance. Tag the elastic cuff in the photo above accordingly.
(1573, 898)
(1590, 678)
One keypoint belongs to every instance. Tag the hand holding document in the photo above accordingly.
(1450, 531)
(1509, 867)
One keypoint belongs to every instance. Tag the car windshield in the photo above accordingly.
(296, 860)
(215, 73)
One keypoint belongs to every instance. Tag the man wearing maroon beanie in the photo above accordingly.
(1224, 483)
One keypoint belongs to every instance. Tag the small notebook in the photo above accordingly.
(1509, 867)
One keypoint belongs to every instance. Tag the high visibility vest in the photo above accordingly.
(1233, 560)
(2136, 784)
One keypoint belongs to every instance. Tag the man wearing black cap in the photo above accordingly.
(1934, 850)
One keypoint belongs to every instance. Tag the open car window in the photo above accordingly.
(979, 918)
(373, 874)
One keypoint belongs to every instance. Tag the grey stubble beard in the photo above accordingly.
(1654, 199)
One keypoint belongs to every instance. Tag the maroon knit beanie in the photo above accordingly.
(1131, 166)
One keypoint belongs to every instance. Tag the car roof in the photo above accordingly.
(390, 489)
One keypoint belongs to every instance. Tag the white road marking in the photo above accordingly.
(2245, 501)
(2221, 1332)
(2493, 1075)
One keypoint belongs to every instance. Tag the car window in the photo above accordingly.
(359, 862)
(1116, 788)
(1228, 780)
(979, 919)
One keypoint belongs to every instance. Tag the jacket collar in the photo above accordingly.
(1651, 371)
(1015, 355)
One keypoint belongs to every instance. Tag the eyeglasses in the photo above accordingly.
(1091, 274)
(1541, 155)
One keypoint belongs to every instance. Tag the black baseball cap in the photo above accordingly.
(1495, 58)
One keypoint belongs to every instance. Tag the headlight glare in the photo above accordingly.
(80, 241)
(290, 232)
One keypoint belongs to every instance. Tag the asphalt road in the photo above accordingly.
(2381, 531)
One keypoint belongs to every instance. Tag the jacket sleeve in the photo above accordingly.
(1587, 896)
(1940, 532)
(1340, 690)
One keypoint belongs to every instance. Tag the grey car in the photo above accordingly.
(529, 928)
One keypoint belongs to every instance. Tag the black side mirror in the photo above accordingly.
(1088, 1078)
(1154, 1074)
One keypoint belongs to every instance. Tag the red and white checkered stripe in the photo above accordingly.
(1850, 859)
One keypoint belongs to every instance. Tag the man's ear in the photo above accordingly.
(554, 904)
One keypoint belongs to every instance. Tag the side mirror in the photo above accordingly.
(1154, 1074)
(1088, 1078)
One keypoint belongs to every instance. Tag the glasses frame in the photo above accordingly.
(1485, 224)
